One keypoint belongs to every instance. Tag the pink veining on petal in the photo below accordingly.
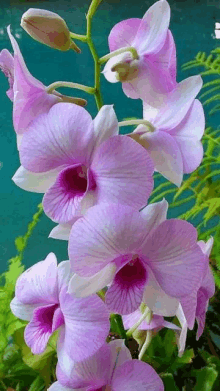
(126, 292)
(7, 67)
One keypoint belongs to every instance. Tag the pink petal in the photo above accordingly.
(181, 336)
(136, 375)
(178, 103)
(38, 284)
(62, 231)
(30, 96)
(7, 67)
(83, 318)
(91, 373)
(85, 286)
(22, 311)
(105, 124)
(126, 292)
(108, 231)
(166, 155)
(187, 135)
(63, 136)
(38, 183)
(129, 321)
(123, 33)
(41, 327)
(157, 300)
(62, 201)
(175, 258)
(64, 274)
(202, 307)
(123, 171)
(58, 387)
(154, 214)
(119, 354)
(189, 304)
(152, 31)
(206, 247)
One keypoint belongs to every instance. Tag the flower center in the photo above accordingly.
(132, 273)
(126, 71)
(49, 317)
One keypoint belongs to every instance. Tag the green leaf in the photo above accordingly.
(205, 379)
(169, 382)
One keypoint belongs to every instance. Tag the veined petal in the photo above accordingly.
(38, 284)
(22, 311)
(105, 124)
(152, 31)
(181, 340)
(63, 136)
(189, 304)
(188, 134)
(7, 67)
(165, 153)
(108, 231)
(175, 258)
(206, 247)
(135, 375)
(178, 103)
(157, 300)
(123, 171)
(61, 231)
(154, 214)
(83, 318)
(64, 274)
(38, 183)
(123, 33)
(58, 387)
(86, 286)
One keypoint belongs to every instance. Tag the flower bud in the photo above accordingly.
(48, 28)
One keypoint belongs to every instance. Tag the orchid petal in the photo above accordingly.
(156, 322)
(82, 286)
(178, 103)
(181, 341)
(105, 124)
(157, 300)
(153, 28)
(7, 67)
(38, 284)
(123, 171)
(83, 318)
(206, 247)
(38, 183)
(175, 258)
(166, 155)
(64, 274)
(189, 304)
(61, 231)
(123, 33)
(22, 311)
(154, 214)
(110, 75)
(108, 231)
(202, 307)
(135, 375)
(58, 387)
(63, 136)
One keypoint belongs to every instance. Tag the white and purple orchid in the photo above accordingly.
(41, 298)
(111, 368)
(174, 145)
(79, 162)
(152, 74)
(135, 252)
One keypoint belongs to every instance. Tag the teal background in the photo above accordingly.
(192, 24)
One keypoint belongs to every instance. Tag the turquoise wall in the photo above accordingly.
(192, 24)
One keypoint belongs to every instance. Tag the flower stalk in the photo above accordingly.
(132, 50)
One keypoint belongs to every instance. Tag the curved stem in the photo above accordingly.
(130, 49)
(92, 9)
(82, 38)
(146, 344)
(57, 84)
(136, 325)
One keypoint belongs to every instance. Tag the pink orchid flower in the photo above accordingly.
(28, 94)
(195, 305)
(41, 298)
(153, 74)
(111, 368)
(134, 252)
(179, 124)
(79, 162)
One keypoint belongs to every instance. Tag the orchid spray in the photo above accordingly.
(98, 314)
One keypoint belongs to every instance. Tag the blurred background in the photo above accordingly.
(193, 28)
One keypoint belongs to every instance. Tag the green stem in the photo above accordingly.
(82, 38)
(130, 49)
(57, 84)
(146, 344)
(150, 127)
(92, 9)
(146, 312)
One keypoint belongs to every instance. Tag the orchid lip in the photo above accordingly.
(74, 180)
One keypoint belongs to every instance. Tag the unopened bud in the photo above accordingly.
(70, 99)
(48, 28)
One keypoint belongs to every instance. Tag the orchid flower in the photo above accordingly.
(41, 298)
(134, 252)
(174, 145)
(152, 73)
(78, 162)
(29, 95)
(111, 368)
(195, 305)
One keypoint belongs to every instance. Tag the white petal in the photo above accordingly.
(38, 183)
(154, 214)
(206, 247)
(182, 335)
(105, 124)
(22, 311)
(61, 231)
(85, 286)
